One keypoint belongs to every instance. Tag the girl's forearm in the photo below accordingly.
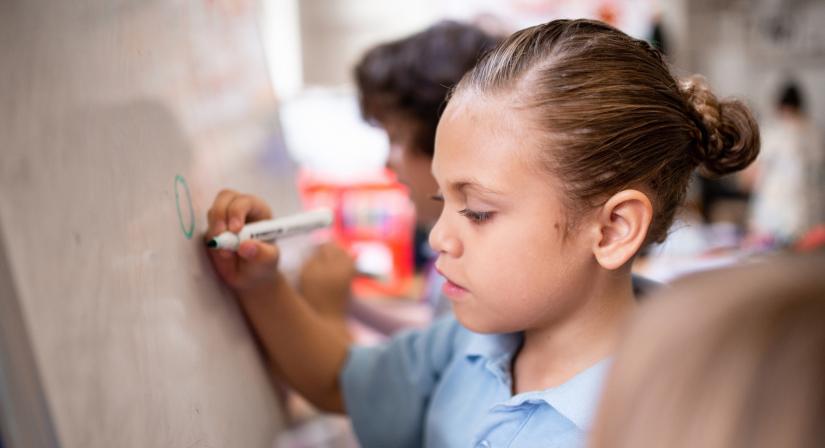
(307, 350)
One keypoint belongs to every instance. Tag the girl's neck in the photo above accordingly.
(554, 353)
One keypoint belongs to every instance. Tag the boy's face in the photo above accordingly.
(500, 237)
(412, 167)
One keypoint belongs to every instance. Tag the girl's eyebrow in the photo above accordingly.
(472, 184)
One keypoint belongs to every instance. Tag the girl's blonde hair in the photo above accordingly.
(614, 115)
(734, 358)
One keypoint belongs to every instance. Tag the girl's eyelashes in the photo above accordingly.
(474, 216)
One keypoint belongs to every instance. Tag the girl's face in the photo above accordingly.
(500, 237)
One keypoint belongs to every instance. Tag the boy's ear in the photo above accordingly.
(622, 225)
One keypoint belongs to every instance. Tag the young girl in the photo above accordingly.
(561, 154)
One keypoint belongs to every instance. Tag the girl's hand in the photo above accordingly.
(325, 280)
(255, 263)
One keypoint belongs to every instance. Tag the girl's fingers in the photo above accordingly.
(254, 261)
(237, 211)
(258, 252)
(259, 210)
(226, 267)
(243, 209)
(217, 213)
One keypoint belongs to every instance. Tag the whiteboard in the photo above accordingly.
(120, 121)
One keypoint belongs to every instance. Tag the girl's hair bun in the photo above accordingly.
(727, 136)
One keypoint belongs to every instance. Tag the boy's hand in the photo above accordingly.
(256, 262)
(325, 280)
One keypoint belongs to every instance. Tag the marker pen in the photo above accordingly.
(273, 229)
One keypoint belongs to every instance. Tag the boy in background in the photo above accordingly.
(402, 88)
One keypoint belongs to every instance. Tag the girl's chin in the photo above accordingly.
(476, 323)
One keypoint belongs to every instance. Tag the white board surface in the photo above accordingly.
(120, 120)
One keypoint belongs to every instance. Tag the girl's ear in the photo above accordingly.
(622, 224)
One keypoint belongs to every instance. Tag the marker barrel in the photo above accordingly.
(273, 229)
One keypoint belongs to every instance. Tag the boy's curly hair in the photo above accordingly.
(410, 77)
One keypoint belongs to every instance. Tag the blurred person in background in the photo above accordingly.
(788, 178)
(402, 87)
(731, 358)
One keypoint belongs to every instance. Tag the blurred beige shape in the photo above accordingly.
(729, 358)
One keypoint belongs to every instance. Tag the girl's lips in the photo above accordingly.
(450, 289)
(453, 291)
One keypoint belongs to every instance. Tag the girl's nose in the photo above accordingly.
(443, 239)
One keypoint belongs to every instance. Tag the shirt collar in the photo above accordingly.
(575, 399)
(492, 346)
(494, 351)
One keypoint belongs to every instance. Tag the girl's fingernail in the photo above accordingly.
(248, 251)
(235, 224)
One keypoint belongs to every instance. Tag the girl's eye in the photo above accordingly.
(474, 216)
(438, 197)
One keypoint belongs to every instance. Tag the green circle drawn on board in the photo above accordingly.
(179, 180)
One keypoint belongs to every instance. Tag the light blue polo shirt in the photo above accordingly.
(445, 386)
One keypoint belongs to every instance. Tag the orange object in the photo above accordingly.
(813, 240)
(374, 220)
